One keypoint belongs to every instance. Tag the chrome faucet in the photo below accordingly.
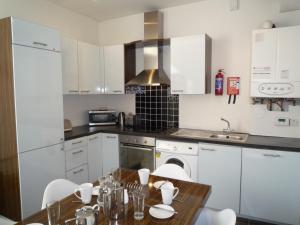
(228, 129)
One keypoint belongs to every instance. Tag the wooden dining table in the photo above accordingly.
(188, 203)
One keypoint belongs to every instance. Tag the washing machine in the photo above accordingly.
(182, 154)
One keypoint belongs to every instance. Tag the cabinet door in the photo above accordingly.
(110, 148)
(35, 35)
(95, 157)
(188, 65)
(288, 67)
(38, 96)
(37, 169)
(114, 69)
(70, 66)
(89, 69)
(76, 157)
(220, 167)
(79, 174)
(270, 185)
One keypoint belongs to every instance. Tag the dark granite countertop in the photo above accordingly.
(261, 142)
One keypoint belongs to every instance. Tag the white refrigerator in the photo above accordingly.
(39, 114)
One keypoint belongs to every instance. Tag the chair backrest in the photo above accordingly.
(212, 217)
(172, 171)
(57, 190)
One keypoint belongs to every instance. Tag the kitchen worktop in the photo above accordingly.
(253, 141)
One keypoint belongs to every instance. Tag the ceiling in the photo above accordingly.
(289, 5)
(107, 9)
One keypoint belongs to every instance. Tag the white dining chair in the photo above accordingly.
(173, 171)
(6, 221)
(216, 217)
(57, 190)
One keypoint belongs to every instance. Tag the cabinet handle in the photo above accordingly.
(78, 171)
(75, 143)
(93, 138)
(73, 91)
(85, 91)
(208, 149)
(75, 153)
(40, 43)
(117, 91)
(111, 137)
(272, 155)
(178, 91)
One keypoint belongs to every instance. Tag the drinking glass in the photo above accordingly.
(102, 190)
(138, 205)
(53, 210)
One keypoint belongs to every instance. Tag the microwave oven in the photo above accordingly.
(102, 117)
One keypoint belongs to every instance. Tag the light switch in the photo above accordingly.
(234, 5)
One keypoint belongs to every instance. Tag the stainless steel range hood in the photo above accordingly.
(153, 73)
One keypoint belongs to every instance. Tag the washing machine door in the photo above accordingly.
(178, 160)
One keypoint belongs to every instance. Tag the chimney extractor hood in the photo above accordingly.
(153, 73)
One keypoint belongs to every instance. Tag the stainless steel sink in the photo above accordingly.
(230, 137)
(212, 135)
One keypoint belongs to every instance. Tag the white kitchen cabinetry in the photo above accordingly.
(270, 185)
(76, 151)
(110, 148)
(190, 64)
(70, 66)
(38, 97)
(220, 167)
(89, 69)
(95, 156)
(34, 35)
(37, 169)
(114, 69)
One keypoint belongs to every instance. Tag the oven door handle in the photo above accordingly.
(137, 148)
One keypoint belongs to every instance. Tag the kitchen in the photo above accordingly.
(230, 29)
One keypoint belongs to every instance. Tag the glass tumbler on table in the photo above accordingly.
(138, 205)
(53, 211)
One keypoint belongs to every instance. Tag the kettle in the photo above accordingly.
(121, 119)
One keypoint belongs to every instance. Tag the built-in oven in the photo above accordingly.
(137, 152)
(102, 117)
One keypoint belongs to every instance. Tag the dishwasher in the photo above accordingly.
(137, 152)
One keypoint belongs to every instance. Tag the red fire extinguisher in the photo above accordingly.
(219, 83)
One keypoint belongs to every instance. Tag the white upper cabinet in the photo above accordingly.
(35, 35)
(190, 64)
(220, 167)
(70, 66)
(114, 69)
(270, 185)
(89, 69)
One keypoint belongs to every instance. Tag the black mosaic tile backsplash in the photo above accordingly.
(156, 108)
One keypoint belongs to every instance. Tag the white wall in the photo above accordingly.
(49, 14)
(231, 34)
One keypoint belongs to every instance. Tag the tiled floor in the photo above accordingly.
(241, 221)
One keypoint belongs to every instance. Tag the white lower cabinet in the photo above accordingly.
(270, 185)
(110, 146)
(76, 151)
(79, 174)
(220, 167)
(38, 168)
(95, 156)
